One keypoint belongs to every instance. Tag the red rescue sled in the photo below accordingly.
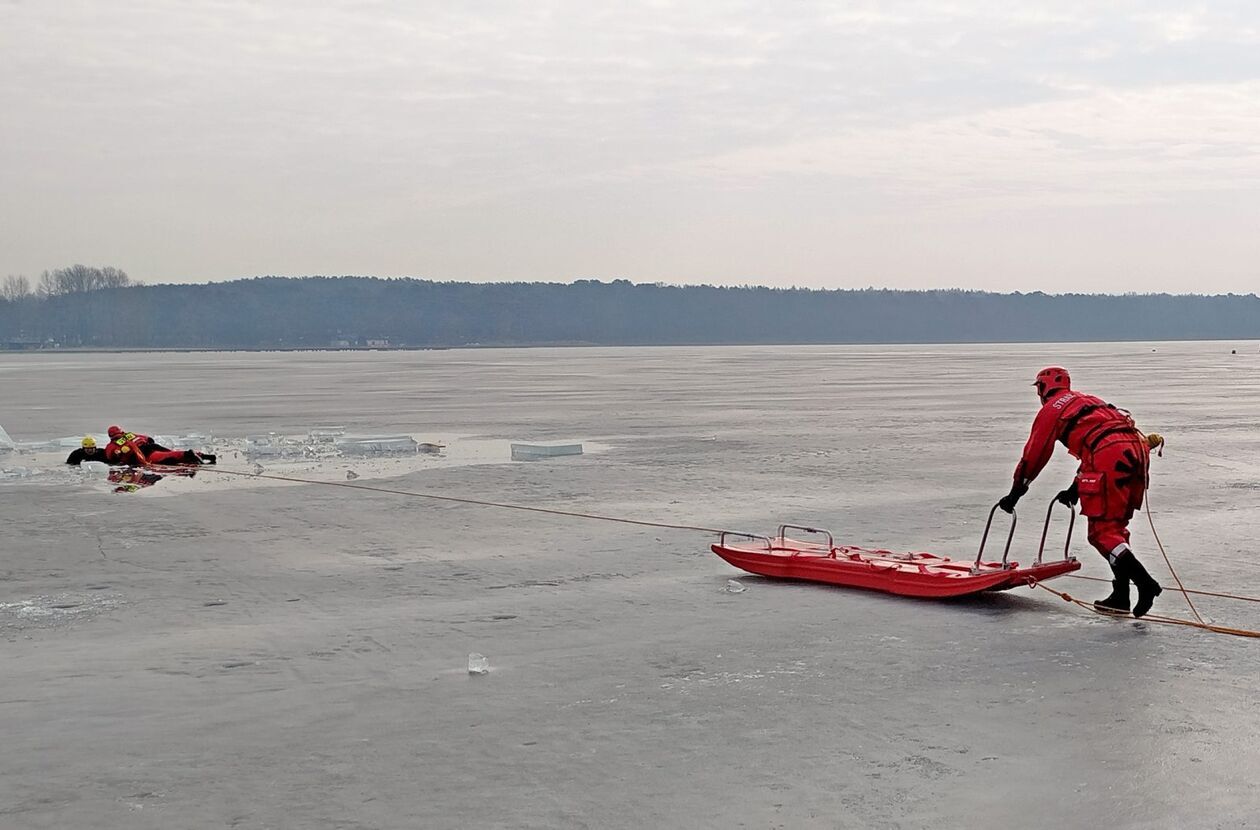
(904, 574)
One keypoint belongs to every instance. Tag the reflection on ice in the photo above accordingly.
(130, 480)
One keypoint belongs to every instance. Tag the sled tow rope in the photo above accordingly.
(1198, 622)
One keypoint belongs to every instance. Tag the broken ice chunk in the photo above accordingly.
(326, 435)
(533, 452)
(270, 446)
(378, 445)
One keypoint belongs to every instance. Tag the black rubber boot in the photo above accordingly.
(1146, 585)
(1118, 601)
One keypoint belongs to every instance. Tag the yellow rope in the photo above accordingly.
(1168, 561)
(1156, 441)
(1216, 629)
(1185, 590)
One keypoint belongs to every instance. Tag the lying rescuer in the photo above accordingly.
(136, 450)
(1110, 484)
(88, 451)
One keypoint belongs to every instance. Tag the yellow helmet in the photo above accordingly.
(89, 441)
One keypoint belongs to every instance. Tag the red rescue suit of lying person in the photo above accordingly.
(134, 450)
(127, 448)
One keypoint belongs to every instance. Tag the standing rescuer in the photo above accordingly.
(1110, 484)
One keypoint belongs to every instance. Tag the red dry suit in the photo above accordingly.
(172, 457)
(1114, 456)
(136, 450)
(128, 448)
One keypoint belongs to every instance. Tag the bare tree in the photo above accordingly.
(80, 278)
(111, 277)
(15, 288)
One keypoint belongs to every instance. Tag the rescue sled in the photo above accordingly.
(904, 574)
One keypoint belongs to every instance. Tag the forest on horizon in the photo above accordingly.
(106, 310)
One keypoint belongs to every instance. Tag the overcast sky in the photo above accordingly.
(1004, 145)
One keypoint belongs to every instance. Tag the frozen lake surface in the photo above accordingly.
(218, 652)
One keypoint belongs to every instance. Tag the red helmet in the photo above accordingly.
(114, 431)
(1052, 379)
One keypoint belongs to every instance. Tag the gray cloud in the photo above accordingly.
(1004, 145)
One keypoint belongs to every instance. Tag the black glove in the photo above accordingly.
(1070, 496)
(1008, 501)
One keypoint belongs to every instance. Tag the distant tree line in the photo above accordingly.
(103, 309)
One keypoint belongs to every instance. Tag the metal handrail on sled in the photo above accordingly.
(753, 536)
(985, 538)
(769, 543)
(1067, 544)
(821, 531)
(1011, 535)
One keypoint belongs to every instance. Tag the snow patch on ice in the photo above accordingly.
(47, 611)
